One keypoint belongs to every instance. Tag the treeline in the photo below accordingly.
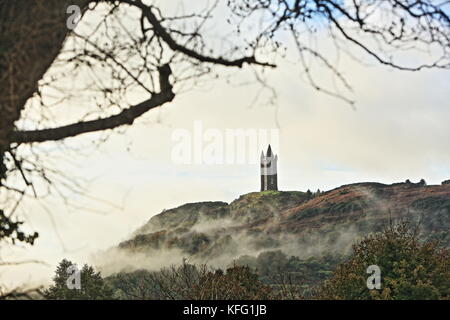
(281, 271)
(409, 269)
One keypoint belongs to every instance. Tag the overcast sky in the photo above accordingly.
(398, 130)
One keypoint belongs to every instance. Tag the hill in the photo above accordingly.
(301, 235)
(296, 222)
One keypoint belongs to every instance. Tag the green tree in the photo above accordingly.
(409, 269)
(92, 286)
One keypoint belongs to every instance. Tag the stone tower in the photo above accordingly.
(269, 170)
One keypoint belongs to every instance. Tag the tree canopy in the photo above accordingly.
(409, 269)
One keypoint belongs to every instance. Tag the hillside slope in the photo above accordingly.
(297, 223)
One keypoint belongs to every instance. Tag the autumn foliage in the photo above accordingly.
(410, 269)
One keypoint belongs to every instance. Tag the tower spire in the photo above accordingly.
(269, 151)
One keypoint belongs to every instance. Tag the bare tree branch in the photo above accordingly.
(126, 117)
(162, 32)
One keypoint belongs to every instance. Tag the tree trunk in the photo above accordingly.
(32, 33)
